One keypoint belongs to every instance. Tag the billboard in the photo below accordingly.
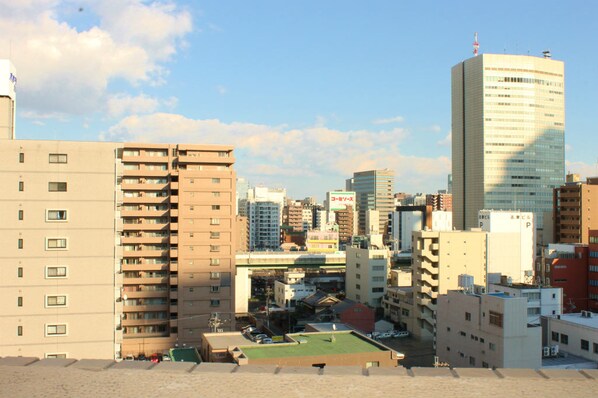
(339, 200)
(8, 79)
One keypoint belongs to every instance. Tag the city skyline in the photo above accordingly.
(307, 93)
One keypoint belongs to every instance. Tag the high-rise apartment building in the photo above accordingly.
(575, 210)
(373, 191)
(263, 219)
(118, 248)
(508, 125)
(60, 280)
(178, 242)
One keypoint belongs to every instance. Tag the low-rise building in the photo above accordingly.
(289, 292)
(340, 348)
(486, 330)
(215, 347)
(575, 334)
(367, 274)
(541, 301)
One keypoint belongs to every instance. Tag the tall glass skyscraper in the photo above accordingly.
(508, 128)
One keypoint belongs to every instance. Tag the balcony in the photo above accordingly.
(174, 185)
(145, 199)
(174, 239)
(145, 308)
(174, 253)
(145, 226)
(174, 266)
(145, 281)
(146, 293)
(174, 280)
(143, 322)
(145, 253)
(145, 267)
(174, 212)
(144, 213)
(207, 158)
(174, 309)
(174, 294)
(144, 335)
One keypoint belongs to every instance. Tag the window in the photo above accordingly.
(378, 279)
(555, 336)
(468, 316)
(21, 215)
(215, 180)
(471, 361)
(358, 276)
(214, 303)
(595, 348)
(56, 330)
(485, 364)
(55, 272)
(216, 194)
(214, 248)
(462, 333)
(21, 157)
(19, 301)
(21, 186)
(214, 261)
(214, 235)
(215, 207)
(55, 355)
(19, 272)
(56, 215)
(58, 158)
(492, 346)
(57, 186)
(19, 330)
(56, 244)
(20, 243)
(377, 290)
(55, 301)
(215, 289)
(585, 345)
(214, 221)
(214, 275)
(358, 287)
(564, 338)
(496, 319)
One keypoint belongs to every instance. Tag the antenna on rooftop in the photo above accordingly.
(547, 54)
(476, 45)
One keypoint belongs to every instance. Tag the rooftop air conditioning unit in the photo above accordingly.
(545, 352)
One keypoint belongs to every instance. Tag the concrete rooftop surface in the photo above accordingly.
(30, 377)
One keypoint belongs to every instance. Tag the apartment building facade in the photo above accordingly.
(178, 242)
(486, 331)
(373, 191)
(575, 210)
(119, 248)
(60, 268)
(366, 274)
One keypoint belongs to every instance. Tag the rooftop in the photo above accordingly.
(312, 344)
(579, 319)
(225, 340)
(30, 377)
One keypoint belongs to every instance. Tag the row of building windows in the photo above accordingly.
(53, 158)
(53, 186)
(51, 243)
(50, 330)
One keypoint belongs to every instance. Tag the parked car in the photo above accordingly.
(259, 337)
(384, 335)
(400, 333)
(155, 358)
(141, 357)
(266, 340)
(129, 358)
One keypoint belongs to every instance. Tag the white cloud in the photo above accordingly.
(583, 169)
(314, 152)
(121, 104)
(390, 120)
(446, 141)
(64, 70)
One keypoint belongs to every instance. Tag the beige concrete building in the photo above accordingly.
(59, 269)
(438, 259)
(575, 210)
(487, 331)
(508, 124)
(366, 275)
(373, 191)
(118, 248)
(179, 243)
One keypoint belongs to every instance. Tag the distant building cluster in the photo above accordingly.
(499, 269)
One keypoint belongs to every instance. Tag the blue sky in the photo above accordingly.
(307, 92)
